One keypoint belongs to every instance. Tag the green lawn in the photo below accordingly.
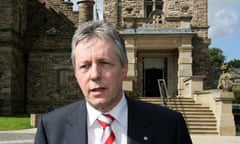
(14, 122)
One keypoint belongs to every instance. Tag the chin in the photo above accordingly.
(99, 103)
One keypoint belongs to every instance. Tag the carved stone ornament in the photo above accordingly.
(226, 80)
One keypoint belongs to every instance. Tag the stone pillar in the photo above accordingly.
(85, 8)
(34, 119)
(225, 119)
(184, 64)
(129, 83)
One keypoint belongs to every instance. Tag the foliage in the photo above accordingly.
(236, 90)
(217, 60)
(216, 57)
(234, 63)
(14, 122)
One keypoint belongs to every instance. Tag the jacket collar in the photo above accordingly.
(139, 123)
(76, 130)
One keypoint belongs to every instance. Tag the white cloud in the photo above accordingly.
(223, 18)
(224, 23)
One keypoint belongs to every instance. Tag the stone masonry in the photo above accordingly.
(12, 83)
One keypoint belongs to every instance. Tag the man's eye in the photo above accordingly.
(85, 66)
(106, 63)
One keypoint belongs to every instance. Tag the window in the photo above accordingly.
(98, 10)
(152, 5)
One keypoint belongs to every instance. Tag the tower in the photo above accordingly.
(85, 10)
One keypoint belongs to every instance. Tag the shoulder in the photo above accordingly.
(62, 113)
(153, 110)
(166, 124)
(54, 124)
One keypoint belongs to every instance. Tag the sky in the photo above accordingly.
(224, 26)
(224, 31)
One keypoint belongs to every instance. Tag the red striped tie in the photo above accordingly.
(105, 121)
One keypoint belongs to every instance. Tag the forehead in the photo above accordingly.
(95, 41)
(94, 46)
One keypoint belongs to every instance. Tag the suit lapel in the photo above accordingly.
(77, 125)
(139, 123)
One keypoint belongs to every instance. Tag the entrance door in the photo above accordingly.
(151, 83)
(153, 69)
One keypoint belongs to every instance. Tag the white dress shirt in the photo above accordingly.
(119, 125)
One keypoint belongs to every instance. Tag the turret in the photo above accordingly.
(85, 8)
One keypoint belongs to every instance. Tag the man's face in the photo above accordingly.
(99, 73)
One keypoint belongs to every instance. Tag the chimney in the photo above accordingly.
(85, 8)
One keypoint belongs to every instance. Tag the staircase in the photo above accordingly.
(200, 120)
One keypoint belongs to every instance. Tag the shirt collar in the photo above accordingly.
(118, 112)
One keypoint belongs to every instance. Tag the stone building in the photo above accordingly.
(165, 39)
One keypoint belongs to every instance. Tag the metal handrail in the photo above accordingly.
(164, 92)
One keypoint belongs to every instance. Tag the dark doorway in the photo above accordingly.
(151, 82)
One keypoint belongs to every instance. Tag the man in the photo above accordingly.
(107, 115)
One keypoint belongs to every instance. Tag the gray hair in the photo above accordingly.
(102, 30)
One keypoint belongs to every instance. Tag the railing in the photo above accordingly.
(164, 92)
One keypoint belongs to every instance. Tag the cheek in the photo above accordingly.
(82, 85)
(116, 77)
(80, 79)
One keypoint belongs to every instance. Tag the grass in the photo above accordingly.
(16, 122)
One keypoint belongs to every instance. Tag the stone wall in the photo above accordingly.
(172, 9)
(200, 14)
(12, 27)
(63, 8)
(132, 8)
(5, 78)
(178, 8)
(175, 13)
(201, 61)
(112, 12)
(50, 79)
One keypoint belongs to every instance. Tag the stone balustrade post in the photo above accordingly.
(193, 84)
(34, 119)
(223, 111)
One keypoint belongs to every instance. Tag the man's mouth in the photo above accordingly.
(100, 89)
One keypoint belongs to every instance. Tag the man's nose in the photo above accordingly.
(95, 72)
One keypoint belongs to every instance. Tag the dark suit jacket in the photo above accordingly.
(147, 124)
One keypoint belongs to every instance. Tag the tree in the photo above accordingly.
(217, 60)
(234, 63)
(216, 57)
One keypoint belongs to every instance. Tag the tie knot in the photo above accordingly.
(105, 120)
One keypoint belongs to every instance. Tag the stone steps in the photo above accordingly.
(200, 120)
